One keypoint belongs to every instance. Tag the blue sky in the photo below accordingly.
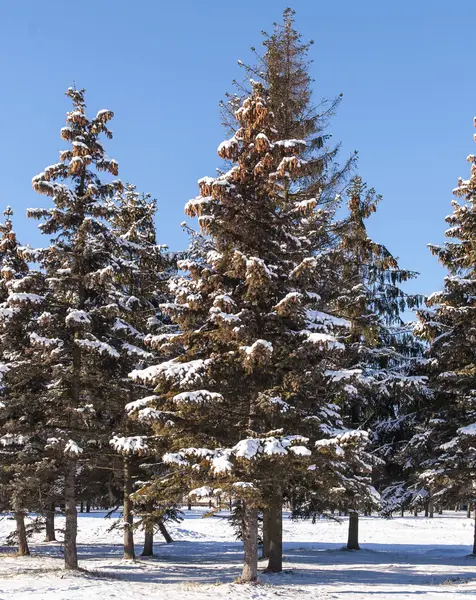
(405, 70)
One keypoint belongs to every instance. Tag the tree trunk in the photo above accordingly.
(88, 507)
(164, 532)
(189, 505)
(148, 544)
(275, 533)
(71, 518)
(431, 507)
(148, 549)
(353, 538)
(70, 512)
(427, 509)
(415, 512)
(265, 548)
(50, 524)
(81, 507)
(128, 516)
(402, 511)
(250, 540)
(440, 510)
(23, 549)
(468, 510)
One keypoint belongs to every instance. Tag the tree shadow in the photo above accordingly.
(209, 562)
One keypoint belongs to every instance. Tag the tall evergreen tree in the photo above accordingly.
(284, 69)
(249, 390)
(378, 388)
(79, 342)
(26, 472)
(142, 282)
(445, 442)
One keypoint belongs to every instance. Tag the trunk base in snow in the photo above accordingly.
(23, 549)
(148, 549)
(353, 539)
(274, 534)
(50, 524)
(250, 540)
(71, 519)
(129, 553)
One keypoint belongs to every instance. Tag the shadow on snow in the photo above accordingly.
(313, 563)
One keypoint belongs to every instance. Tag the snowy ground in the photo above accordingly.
(401, 559)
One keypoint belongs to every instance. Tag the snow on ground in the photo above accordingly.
(401, 559)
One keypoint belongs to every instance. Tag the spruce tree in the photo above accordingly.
(445, 442)
(377, 387)
(284, 69)
(248, 391)
(142, 282)
(79, 342)
(26, 472)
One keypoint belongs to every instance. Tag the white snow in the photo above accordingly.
(174, 458)
(221, 464)
(7, 313)
(227, 145)
(223, 299)
(322, 319)
(292, 143)
(195, 206)
(201, 492)
(243, 485)
(258, 347)
(197, 397)
(98, 346)
(136, 444)
(305, 205)
(251, 447)
(324, 340)
(219, 315)
(130, 407)
(72, 448)
(247, 448)
(401, 559)
(23, 298)
(468, 430)
(343, 374)
(274, 446)
(256, 265)
(77, 317)
(151, 414)
(290, 298)
(104, 114)
(277, 401)
(185, 373)
(39, 340)
(9, 439)
(135, 350)
(300, 450)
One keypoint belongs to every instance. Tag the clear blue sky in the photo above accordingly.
(405, 69)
